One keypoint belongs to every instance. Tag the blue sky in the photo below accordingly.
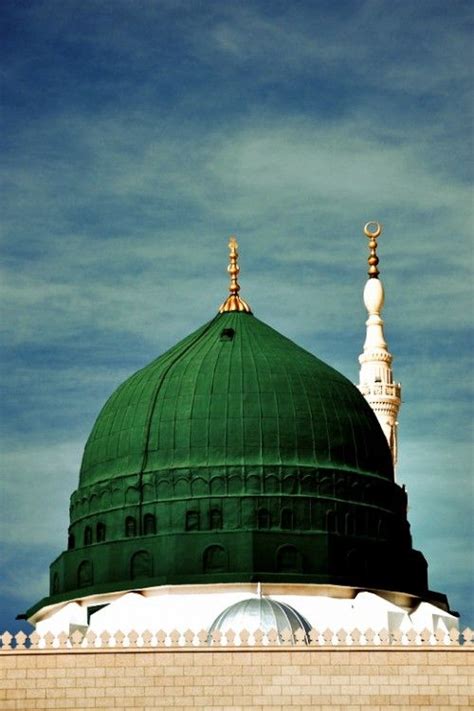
(137, 135)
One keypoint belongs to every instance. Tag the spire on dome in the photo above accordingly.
(234, 302)
(376, 376)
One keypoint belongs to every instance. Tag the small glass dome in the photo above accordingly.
(260, 613)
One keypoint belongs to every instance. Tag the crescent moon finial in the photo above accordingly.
(372, 230)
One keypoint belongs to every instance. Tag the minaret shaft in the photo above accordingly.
(376, 375)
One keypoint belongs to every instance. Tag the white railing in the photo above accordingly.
(257, 638)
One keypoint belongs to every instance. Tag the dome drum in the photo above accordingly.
(236, 556)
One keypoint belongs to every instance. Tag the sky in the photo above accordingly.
(137, 135)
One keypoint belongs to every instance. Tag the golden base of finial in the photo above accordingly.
(235, 303)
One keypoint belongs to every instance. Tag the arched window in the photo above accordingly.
(71, 541)
(331, 522)
(149, 524)
(100, 532)
(215, 519)
(214, 559)
(289, 560)
(87, 536)
(130, 527)
(141, 565)
(286, 518)
(264, 519)
(84, 574)
(192, 521)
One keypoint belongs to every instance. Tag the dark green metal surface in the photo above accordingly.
(218, 399)
(236, 456)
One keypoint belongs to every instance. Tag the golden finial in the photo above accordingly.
(234, 302)
(373, 230)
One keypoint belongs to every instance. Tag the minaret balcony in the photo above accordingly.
(392, 390)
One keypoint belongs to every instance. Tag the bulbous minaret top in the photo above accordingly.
(376, 376)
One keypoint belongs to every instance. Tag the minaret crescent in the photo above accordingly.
(376, 375)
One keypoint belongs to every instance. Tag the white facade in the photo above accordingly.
(196, 607)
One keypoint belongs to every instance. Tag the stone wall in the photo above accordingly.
(278, 678)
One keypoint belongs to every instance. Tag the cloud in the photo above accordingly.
(297, 193)
(438, 475)
(36, 483)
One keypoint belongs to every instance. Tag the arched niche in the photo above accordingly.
(290, 485)
(253, 485)
(55, 584)
(192, 520)
(100, 532)
(349, 524)
(132, 496)
(85, 575)
(105, 500)
(264, 519)
(217, 486)
(355, 491)
(286, 518)
(235, 485)
(87, 536)
(355, 562)
(215, 519)
(141, 565)
(271, 484)
(130, 527)
(214, 559)
(326, 486)
(382, 528)
(181, 487)
(149, 524)
(117, 497)
(163, 490)
(331, 522)
(307, 485)
(289, 560)
(148, 492)
(367, 493)
(199, 487)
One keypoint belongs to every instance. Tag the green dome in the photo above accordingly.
(235, 392)
(236, 456)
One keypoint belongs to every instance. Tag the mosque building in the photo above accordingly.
(237, 481)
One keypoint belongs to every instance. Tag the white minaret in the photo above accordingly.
(376, 377)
